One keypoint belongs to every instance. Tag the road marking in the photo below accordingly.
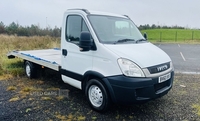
(182, 56)
(179, 45)
(185, 72)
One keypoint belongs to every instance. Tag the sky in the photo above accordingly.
(185, 13)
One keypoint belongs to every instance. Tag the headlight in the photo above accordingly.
(172, 66)
(129, 68)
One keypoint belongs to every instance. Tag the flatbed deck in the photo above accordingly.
(50, 58)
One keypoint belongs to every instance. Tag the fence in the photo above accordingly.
(175, 35)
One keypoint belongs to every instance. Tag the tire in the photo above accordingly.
(30, 69)
(97, 95)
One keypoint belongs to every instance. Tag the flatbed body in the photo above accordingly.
(50, 58)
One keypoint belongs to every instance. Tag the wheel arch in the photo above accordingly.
(93, 74)
(89, 75)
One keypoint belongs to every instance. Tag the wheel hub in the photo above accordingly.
(95, 96)
(28, 70)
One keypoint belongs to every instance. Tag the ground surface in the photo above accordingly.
(185, 57)
(48, 98)
(23, 103)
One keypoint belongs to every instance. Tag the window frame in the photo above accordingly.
(107, 42)
(66, 28)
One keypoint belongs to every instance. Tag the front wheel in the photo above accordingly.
(97, 95)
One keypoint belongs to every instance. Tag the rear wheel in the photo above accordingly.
(30, 69)
(97, 95)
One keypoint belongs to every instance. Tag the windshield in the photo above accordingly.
(112, 30)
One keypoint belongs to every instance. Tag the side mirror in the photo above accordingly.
(85, 43)
(145, 35)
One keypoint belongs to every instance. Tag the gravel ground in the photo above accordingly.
(22, 99)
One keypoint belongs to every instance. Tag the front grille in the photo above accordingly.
(159, 68)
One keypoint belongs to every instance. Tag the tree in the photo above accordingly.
(2, 28)
(56, 32)
(22, 31)
(12, 28)
(153, 26)
(34, 30)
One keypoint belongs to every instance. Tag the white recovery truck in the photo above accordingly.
(106, 56)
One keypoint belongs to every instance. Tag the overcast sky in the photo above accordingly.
(184, 13)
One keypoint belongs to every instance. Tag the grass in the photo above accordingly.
(60, 98)
(173, 35)
(27, 89)
(11, 88)
(71, 117)
(14, 67)
(197, 108)
(46, 98)
(14, 99)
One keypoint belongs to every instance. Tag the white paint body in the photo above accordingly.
(104, 59)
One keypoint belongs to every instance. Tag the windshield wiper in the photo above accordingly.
(139, 40)
(124, 40)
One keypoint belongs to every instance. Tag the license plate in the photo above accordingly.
(164, 78)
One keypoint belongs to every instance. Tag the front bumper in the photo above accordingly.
(128, 90)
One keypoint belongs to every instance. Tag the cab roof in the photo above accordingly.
(96, 12)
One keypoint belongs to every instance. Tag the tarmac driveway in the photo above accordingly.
(185, 57)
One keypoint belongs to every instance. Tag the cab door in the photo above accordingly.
(74, 62)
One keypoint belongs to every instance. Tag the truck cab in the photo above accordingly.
(106, 56)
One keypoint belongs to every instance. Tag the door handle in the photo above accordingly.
(64, 52)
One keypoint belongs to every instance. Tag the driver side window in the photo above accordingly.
(74, 26)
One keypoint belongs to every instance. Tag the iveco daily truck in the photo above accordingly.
(106, 56)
